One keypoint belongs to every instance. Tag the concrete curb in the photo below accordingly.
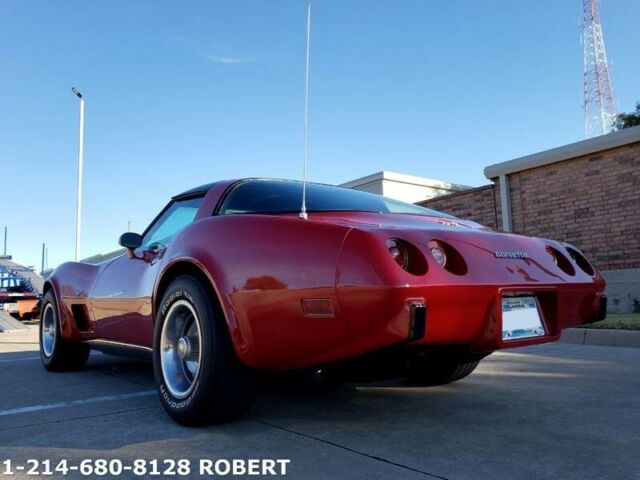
(602, 337)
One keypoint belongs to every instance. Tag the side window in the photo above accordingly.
(173, 220)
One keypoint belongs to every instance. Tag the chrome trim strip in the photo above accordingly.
(117, 344)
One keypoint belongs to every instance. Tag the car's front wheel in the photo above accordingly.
(58, 354)
(199, 377)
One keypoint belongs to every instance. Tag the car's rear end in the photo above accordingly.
(422, 281)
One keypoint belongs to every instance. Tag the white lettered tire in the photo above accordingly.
(200, 380)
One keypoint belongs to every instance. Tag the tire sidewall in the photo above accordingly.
(189, 290)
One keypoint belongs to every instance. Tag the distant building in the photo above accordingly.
(408, 188)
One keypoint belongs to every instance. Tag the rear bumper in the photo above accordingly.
(371, 318)
(462, 315)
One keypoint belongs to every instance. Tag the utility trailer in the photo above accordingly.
(19, 293)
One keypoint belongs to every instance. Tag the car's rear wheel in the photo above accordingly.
(199, 377)
(57, 354)
(440, 368)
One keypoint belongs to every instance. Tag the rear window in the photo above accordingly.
(281, 196)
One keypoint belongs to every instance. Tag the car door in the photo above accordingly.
(122, 295)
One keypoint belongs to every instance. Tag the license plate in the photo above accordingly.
(521, 318)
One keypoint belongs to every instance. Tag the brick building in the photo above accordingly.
(586, 193)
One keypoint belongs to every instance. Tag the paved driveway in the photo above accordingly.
(557, 411)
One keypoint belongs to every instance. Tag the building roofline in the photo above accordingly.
(402, 178)
(488, 186)
(622, 137)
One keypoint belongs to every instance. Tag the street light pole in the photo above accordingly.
(80, 161)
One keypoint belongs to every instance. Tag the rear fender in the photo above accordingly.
(71, 284)
(261, 268)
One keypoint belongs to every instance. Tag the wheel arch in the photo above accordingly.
(53, 286)
(179, 267)
(190, 266)
(46, 287)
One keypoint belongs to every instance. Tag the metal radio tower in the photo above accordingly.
(599, 105)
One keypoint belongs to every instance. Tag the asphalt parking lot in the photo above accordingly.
(556, 411)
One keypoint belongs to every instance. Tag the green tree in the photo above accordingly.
(626, 120)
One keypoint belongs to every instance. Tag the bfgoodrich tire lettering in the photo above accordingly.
(200, 380)
(56, 353)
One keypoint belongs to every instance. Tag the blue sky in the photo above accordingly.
(183, 93)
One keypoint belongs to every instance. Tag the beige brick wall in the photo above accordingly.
(476, 204)
(591, 201)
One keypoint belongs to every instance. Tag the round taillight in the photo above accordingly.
(561, 261)
(447, 257)
(398, 252)
(438, 253)
(580, 260)
(407, 256)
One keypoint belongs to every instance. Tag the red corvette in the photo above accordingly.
(229, 281)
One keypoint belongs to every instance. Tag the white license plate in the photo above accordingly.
(521, 318)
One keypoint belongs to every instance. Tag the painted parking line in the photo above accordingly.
(73, 403)
(22, 359)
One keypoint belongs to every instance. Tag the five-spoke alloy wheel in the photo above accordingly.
(180, 352)
(48, 330)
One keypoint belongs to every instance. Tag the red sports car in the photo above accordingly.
(229, 282)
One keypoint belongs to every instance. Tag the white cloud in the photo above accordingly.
(231, 59)
(227, 58)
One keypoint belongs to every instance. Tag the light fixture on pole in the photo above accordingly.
(80, 161)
